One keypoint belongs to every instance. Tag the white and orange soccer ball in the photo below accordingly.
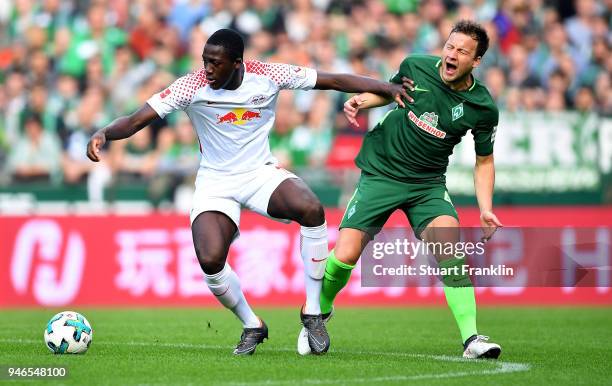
(68, 333)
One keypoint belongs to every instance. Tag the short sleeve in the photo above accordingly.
(403, 71)
(178, 95)
(286, 76)
(484, 133)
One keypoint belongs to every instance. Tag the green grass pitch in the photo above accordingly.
(376, 346)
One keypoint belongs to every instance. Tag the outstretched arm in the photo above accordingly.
(369, 100)
(362, 101)
(120, 128)
(355, 83)
(484, 180)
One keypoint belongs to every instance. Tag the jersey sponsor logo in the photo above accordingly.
(427, 122)
(230, 117)
(165, 93)
(239, 116)
(457, 111)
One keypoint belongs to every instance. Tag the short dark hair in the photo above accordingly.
(476, 32)
(33, 118)
(230, 40)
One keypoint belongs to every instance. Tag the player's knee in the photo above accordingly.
(211, 263)
(312, 213)
(442, 229)
(347, 253)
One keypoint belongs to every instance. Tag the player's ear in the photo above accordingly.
(476, 62)
(237, 63)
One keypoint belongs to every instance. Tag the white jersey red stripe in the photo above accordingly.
(233, 125)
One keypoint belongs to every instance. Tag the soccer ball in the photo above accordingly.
(68, 333)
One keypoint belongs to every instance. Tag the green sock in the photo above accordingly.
(460, 297)
(337, 274)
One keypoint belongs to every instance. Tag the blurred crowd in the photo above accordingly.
(69, 67)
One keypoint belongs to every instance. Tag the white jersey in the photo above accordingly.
(233, 125)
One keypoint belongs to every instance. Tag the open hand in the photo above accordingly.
(351, 108)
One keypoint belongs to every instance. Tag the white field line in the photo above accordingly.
(501, 367)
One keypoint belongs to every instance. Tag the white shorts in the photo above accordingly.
(227, 193)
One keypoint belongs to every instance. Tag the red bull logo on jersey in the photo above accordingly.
(427, 122)
(239, 116)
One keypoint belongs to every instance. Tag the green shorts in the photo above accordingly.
(377, 197)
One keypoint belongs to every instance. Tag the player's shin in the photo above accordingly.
(225, 285)
(337, 274)
(459, 293)
(313, 247)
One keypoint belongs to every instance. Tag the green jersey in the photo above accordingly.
(414, 143)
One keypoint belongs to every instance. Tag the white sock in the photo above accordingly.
(225, 285)
(313, 246)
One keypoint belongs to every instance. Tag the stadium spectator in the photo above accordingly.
(603, 92)
(270, 15)
(91, 116)
(600, 52)
(495, 79)
(585, 100)
(40, 72)
(495, 57)
(519, 74)
(147, 33)
(313, 137)
(36, 156)
(186, 14)
(282, 142)
(578, 27)
(179, 159)
(508, 31)
(90, 38)
(136, 159)
(52, 16)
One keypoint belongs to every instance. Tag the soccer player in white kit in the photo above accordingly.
(231, 104)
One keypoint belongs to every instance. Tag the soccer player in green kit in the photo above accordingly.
(403, 162)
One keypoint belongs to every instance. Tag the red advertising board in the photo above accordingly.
(149, 261)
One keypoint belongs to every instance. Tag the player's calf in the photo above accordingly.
(313, 247)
